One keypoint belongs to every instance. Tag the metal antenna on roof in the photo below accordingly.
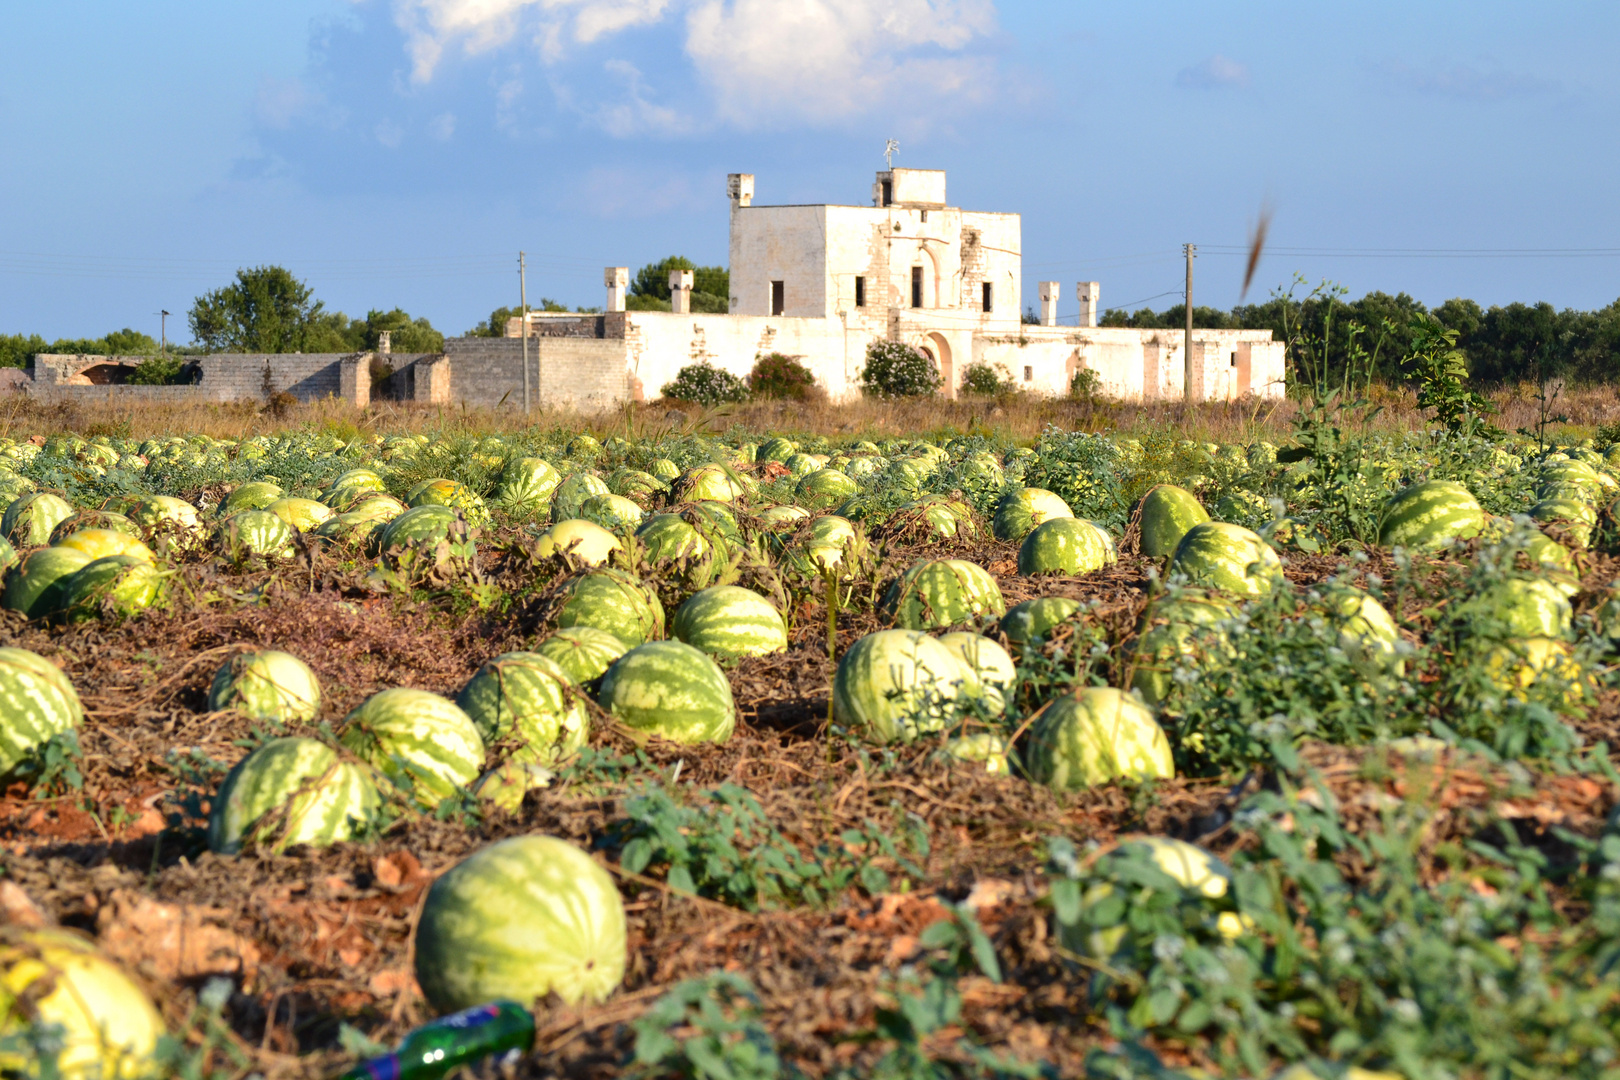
(891, 147)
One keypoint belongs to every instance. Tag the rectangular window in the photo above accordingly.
(989, 305)
(888, 192)
(916, 286)
(1234, 359)
(925, 217)
(1029, 373)
(778, 297)
(860, 292)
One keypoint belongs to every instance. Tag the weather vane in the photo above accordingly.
(890, 148)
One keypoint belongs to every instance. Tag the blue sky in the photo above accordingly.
(401, 152)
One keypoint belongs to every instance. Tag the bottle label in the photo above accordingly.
(477, 1016)
(384, 1068)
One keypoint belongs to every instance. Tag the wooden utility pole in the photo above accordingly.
(1186, 344)
(523, 301)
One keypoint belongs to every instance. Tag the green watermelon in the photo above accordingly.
(1164, 515)
(350, 487)
(583, 652)
(988, 748)
(613, 601)
(28, 521)
(255, 533)
(1020, 511)
(1028, 622)
(776, 449)
(526, 485)
(37, 703)
(1519, 608)
(165, 515)
(253, 495)
(117, 587)
(584, 542)
(291, 791)
(1093, 735)
(301, 514)
(570, 495)
(1366, 632)
(1178, 631)
(505, 785)
(992, 667)
(36, 584)
(671, 539)
(1430, 516)
(801, 465)
(613, 512)
(727, 620)
(665, 469)
(268, 685)
(895, 684)
(782, 518)
(375, 506)
(8, 555)
(522, 919)
(525, 696)
(352, 530)
(428, 536)
(670, 689)
(1066, 546)
(99, 520)
(99, 543)
(824, 488)
(942, 592)
(1228, 558)
(452, 494)
(419, 740)
(1573, 518)
(712, 483)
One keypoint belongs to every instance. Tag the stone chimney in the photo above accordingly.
(1089, 294)
(1049, 302)
(385, 342)
(617, 279)
(680, 291)
(740, 188)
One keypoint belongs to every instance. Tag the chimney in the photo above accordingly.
(616, 278)
(385, 342)
(680, 291)
(1049, 302)
(740, 188)
(1089, 294)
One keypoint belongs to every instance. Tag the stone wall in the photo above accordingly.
(565, 372)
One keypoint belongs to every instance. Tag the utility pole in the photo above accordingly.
(163, 332)
(1186, 345)
(523, 299)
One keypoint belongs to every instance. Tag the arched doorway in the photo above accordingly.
(939, 351)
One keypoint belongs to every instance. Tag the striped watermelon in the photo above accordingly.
(452, 494)
(1028, 622)
(301, 514)
(1366, 632)
(1518, 665)
(670, 689)
(375, 506)
(895, 684)
(8, 555)
(1093, 735)
(267, 685)
(291, 791)
(637, 485)
(28, 521)
(1430, 516)
(99, 543)
(166, 516)
(526, 485)
(1227, 558)
(988, 748)
(37, 703)
(584, 446)
(728, 620)
(428, 536)
(824, 488)
(570, 495)
(353, 530)
(505, 785)
(942, 592)
(613, 601)
(776, 449)
(1178, 631)
(1519, 608)
(350, 487)
(801, 464)
(665, 469)
(527, 697)
(116, 588)
(1164, 515)
(992, 667)
(584, 543)
(713, 483)
(105, 520)
(1066, 546)
(782, 518)
(671, 539)
(1020, 511)
(1574, 519)
(614, 512)
(521, 919)
(421, 741)
(35, 585)
(255, 534)
(253, 495)
(583, 652)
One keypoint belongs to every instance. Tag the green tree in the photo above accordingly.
(711, 286)
(18, 350)
(406, 335)
(265, 310)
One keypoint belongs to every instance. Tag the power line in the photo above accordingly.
(1425, 253)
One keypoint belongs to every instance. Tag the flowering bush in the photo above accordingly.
(706, 385)
(778, 376)
(895, 370)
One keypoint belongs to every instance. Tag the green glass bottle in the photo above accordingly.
(502, 1028)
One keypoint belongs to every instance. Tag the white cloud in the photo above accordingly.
(278, 103)
(1466, 81)
(443, 126)
(389, 134)
(1216, 72)
(482, 25)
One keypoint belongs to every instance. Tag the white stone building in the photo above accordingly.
(820, 282)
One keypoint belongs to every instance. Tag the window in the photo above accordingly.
(925, 217)
(916, 286)
(988, 304)
(860, 292)
(1029, 373)
(888, 192)
(778, 298)
(1234, 359)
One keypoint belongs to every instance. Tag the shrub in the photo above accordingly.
(157, 370)
(1085, 385)
(706, 385)
(986, 381)
(778, 376)
(895, 370)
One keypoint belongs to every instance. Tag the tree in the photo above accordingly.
(406, 335)
(711, 286)
(265, 310)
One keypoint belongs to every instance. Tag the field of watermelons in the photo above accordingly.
(744, 754)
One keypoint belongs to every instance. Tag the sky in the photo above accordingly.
(402, 152)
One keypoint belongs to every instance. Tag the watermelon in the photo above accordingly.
(727, 620)
(1248, 508)
(613, 601)
(583, 652)
(894, 684)
(801, 465)
(421, 741)
(521, 919)
(168, 516)
(1178, 631)
(665, 469)
(1028, 622)
(992, 667)
(832, 538)
(28, 521)
(782, 518)
(101, 520)
(988, 748)
(942, 592)
(1099, 932)
(1227, 558)
(35, 585)
(266, 685)
(291, 791)
(1188, 865)
(1020, 511)
(117, 587)
(776, 449)
(1164, 515)
(301, 514)
(1430, 516)
(56, 979)
(255, 534)
(1519, 608)
(583, 446)
(452, 494)
(1093, 735)
(1066, 546)
(505, 785)
(352, 530)
(99, 543)
(8, 555)
(253, 495)
(527, 697)
(670, 689)
(671, 539)
(376, 506)
(637, 485)
(1516, 666)
(1366, 631)
(1573, 518)
(1577, 475)
(37, 703)
(584, 542)
(428, 536)
(350, 487)
(568, 498)
(713, 483)
(612, 512)
(824, 488)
